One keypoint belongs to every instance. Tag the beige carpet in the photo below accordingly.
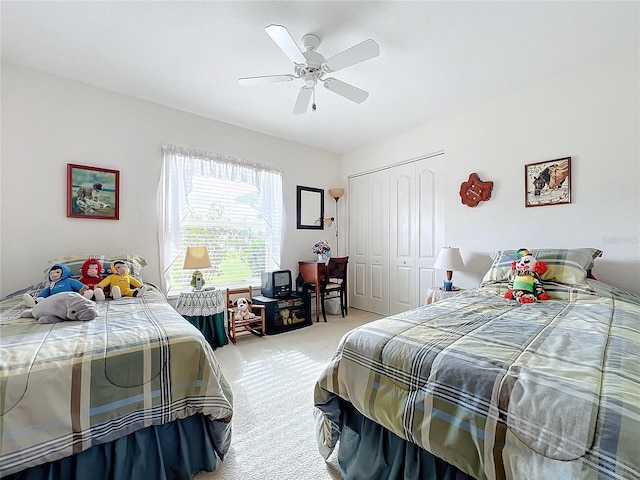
(272, 380)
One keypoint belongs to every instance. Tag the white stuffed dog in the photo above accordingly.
(63, 306)
(243, 311)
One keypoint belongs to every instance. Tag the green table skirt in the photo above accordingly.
(212, 327)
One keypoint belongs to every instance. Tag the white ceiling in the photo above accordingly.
(436, 58)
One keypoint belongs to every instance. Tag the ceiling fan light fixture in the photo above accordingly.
(310, 79)
(311, 66)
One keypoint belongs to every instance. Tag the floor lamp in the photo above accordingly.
(336, 193)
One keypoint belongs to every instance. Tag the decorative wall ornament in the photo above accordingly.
(474, 190)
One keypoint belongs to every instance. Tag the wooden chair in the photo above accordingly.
(333, 284)
(255, 325)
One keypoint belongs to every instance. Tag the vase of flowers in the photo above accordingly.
(323, 250)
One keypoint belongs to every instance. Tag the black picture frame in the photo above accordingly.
(309, 208)
(548, 182)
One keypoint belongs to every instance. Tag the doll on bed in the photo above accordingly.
(91, 271)
(526, 286)
(120, 282)
(59, 281)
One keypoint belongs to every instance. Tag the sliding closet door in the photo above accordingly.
(412, 234)
(358, 242)
(378, 209)
(430, 229)
(403, 238)
(369, 242)
(395, 228)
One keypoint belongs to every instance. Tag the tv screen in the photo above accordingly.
(281, 278)
(276, 284)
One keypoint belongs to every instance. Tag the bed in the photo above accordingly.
(135, 393)
(477, 386)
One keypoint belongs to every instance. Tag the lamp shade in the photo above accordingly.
(336, 193)
(196, 257)
(449, 259)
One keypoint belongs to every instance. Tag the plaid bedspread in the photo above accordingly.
(67, 386)
(501, 390)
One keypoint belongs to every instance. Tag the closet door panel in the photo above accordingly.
(358, 240)
(430, 230)
(378, 235)
(403, 232)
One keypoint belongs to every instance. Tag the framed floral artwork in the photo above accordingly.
(548, 183)
(93, 192)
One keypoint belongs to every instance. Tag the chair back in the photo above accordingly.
(233, 294)
(337, 269)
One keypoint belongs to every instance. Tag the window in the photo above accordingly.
(234, 207)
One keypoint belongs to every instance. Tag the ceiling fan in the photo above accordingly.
(312, 67)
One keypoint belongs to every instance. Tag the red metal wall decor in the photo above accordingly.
(474, 190)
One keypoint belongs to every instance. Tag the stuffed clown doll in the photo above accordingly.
(526, 286)
(120, 282)
(91, 275)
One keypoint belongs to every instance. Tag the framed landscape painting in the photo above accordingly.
(548, 183)
(93, 192)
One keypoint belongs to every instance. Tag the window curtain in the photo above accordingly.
(180, 165)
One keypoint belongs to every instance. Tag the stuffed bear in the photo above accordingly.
(59, 281)
(92, 275)
(120, 282)
(243, 311)
(62, 306)
(526, 286)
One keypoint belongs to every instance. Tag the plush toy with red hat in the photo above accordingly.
(526, 286)
(92, 275)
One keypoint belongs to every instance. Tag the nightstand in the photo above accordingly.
(205, 310)
(437, 294)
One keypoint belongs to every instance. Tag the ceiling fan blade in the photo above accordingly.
(287, 44)
(358, 53)
(347, 91)
(302, 102)
(248, 81)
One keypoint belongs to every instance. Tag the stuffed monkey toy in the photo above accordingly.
(92, 275)
(120, 282)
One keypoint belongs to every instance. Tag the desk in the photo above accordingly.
(313, 272)
(205, 310)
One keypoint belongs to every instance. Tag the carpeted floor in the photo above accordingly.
(272, 380)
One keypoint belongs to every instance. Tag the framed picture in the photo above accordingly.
(93, 192)
(548, 183)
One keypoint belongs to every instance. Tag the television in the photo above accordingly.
(276, 284)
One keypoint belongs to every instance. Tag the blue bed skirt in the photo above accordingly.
(367, 451)
(174, 451)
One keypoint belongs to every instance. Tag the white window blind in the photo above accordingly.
(231, 206)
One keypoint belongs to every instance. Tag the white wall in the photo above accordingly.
(590, 114)
(48, 121)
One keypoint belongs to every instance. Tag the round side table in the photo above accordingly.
(205, 310)
(437, 294)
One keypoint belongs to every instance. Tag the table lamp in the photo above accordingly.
(449, 259)
(196, 257)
